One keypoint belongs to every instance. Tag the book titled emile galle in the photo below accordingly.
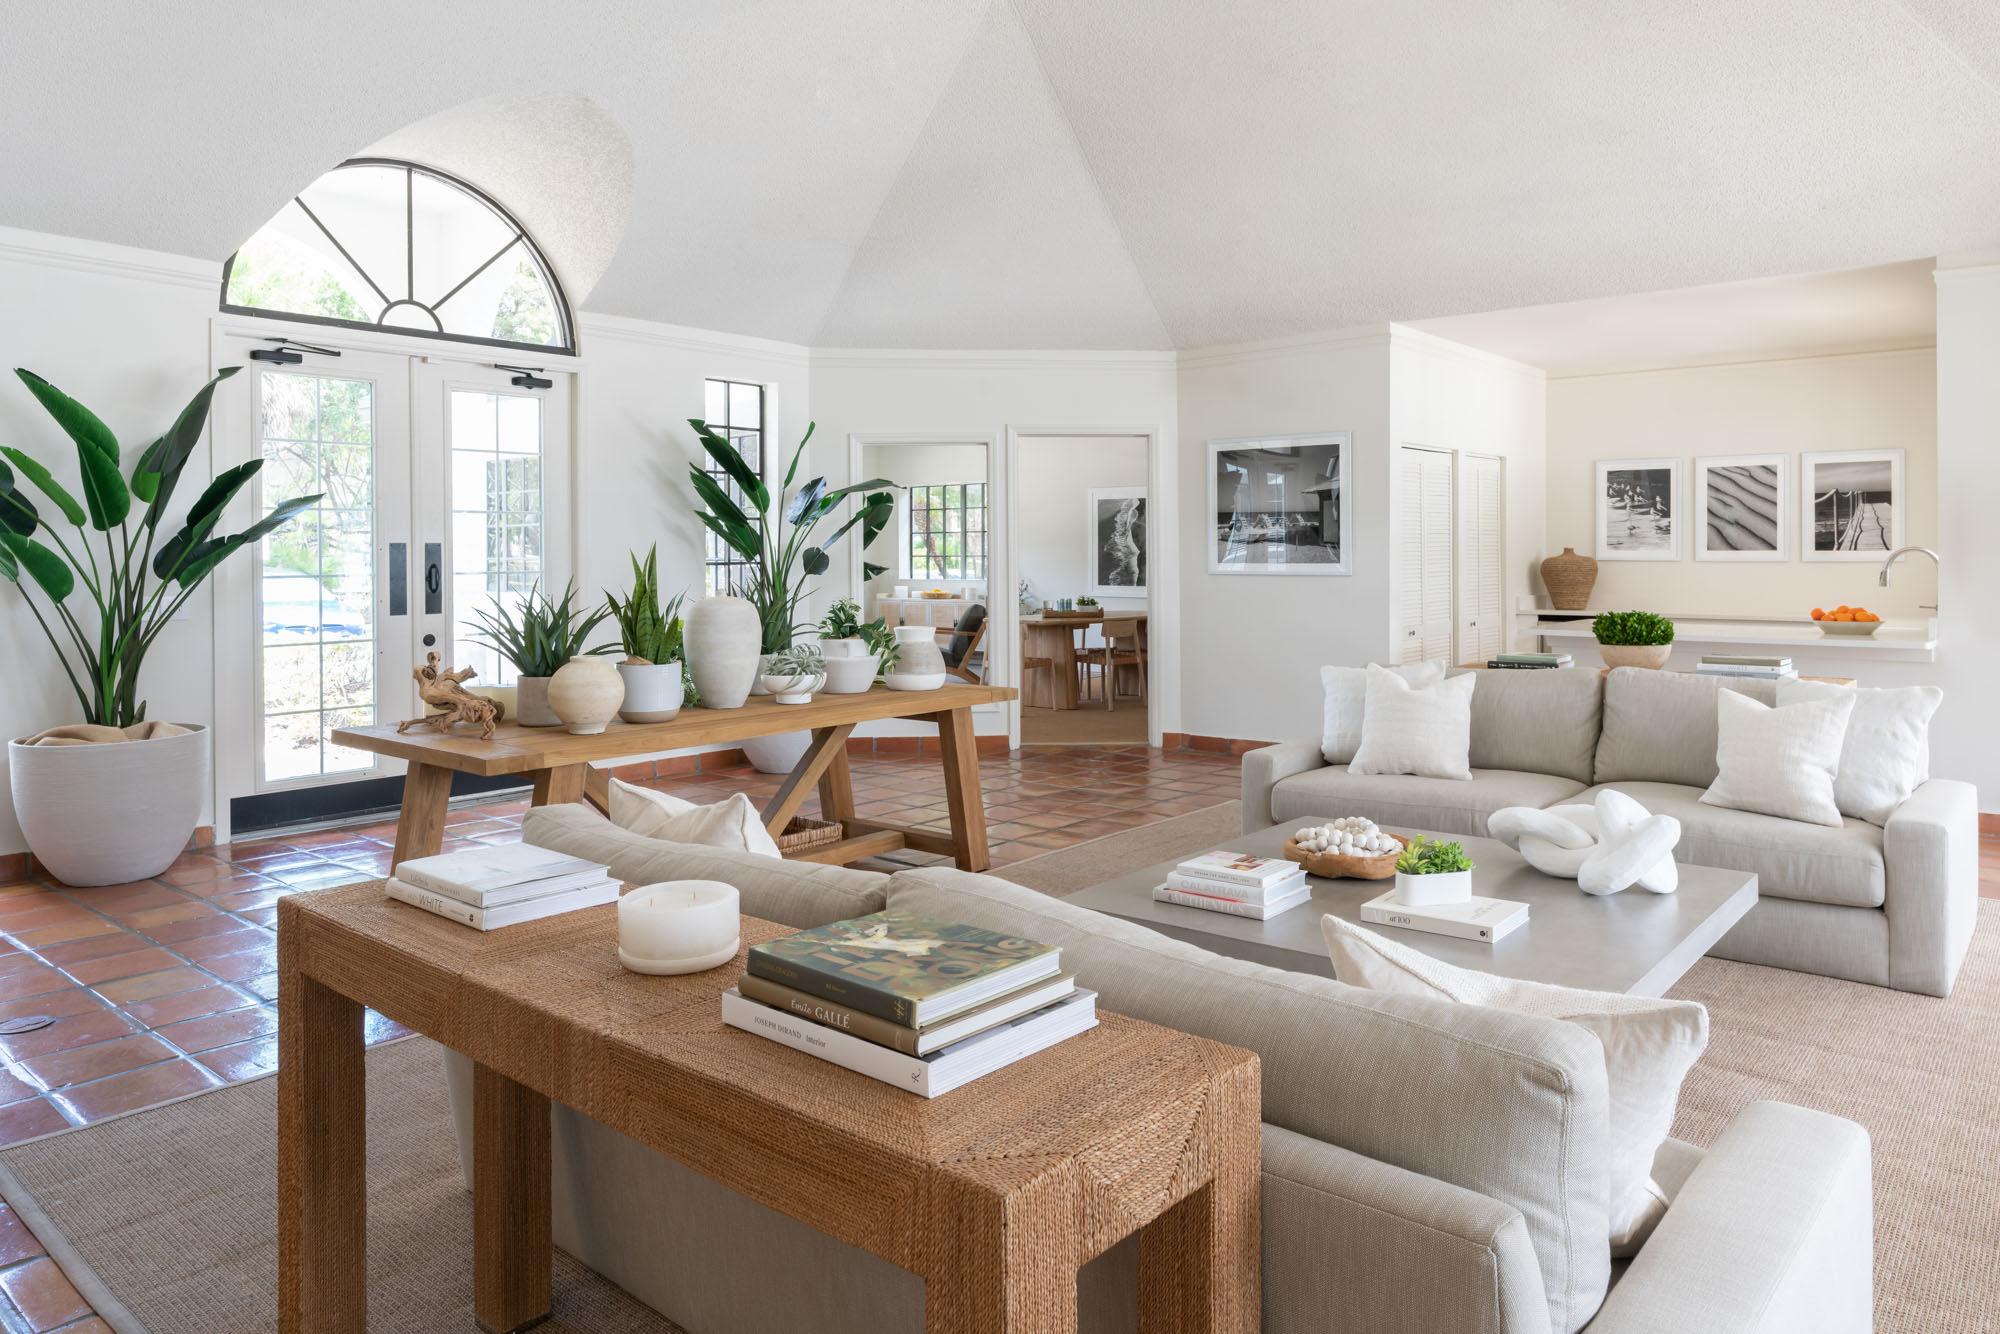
(907, 969)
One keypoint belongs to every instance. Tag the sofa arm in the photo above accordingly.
(1352, 1244)
(1931, 849)
(1772, 1234)
(1264, 768)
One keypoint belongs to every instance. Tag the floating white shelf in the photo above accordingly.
(1903, 641)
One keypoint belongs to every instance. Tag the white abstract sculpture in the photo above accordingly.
(1606, 847)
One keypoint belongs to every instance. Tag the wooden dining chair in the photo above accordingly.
(958, 642)
(1122, 647)
(1031, 663)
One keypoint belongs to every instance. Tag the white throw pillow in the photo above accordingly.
(1649, 1046)
(734, 823)
(1347, 700)
(1779, 761)
(1410, 729)
(1887, 753)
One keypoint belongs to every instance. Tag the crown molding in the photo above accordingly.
(988, 359)
(1871, 351)
(682, 338)
(1422, 340)
(1296, 345)
(73, 252)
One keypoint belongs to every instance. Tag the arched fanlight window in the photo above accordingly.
(392, 245)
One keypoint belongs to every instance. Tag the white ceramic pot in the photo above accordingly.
(585, 694)
(1635, 655)
(531, 702)
(778, 754)
(919, 664)
(850, 673)
(724, 641)
(792, 689)
(1431, 891)
(653, 691)
(106, 814)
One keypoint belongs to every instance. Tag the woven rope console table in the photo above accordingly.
(994, 1194)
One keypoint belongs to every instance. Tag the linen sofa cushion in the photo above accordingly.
(1649, 1046)
(1779, 761)
(1842, 866)
(1408, 729)
(1887, 752)
(1659, 727)
(1544, 722)
(732, 823)
(1410, 801)
(797, 894)
(1346, 704)
(1511, 1106)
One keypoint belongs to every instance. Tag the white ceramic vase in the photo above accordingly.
(919, 664)
(724, 641)
(850, 666)
(110, 813)
(778, 754)
(1431, 891)
(585, 694)
(653, 691)
(1635, 655)
(531, 702)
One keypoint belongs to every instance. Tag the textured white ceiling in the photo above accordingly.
(1034, 173)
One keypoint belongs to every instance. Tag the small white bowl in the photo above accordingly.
(1856, 629)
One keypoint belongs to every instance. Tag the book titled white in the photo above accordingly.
(1475, 919)
(927, 1076)
(473, 875)
(1234, 907)
(1240, 868)
(1229, 889)
(489, 919)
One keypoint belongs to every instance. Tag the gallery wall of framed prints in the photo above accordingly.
(1281, 505)
(1851, 506)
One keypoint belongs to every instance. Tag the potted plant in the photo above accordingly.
(1429, 873)
(106, 814)
(651, 634)
(794, 673)
(540, 641)
(1086, 601)
(1633, 638)
(852, 648)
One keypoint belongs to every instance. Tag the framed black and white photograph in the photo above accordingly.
(1117, 526)
(1741, 503)
(1280, 505)
(1638, 509)
(1851, 505)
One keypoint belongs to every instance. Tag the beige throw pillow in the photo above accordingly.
(734, 823)
(1347, 703)
(1887, 752)
(1779, 761)
(1416, 729)
(1649, 1046)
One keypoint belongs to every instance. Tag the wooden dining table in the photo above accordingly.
(1055, 638)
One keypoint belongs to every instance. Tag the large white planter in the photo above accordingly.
(1432, 891)
(724, 640)
(106, 814)
(778, 754)
(850, 666)
(653, 691)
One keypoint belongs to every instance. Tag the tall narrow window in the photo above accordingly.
(948, 531)
(393, 245)
(736, 411)
(496, 517)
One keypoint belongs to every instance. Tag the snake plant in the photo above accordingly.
(649, 630)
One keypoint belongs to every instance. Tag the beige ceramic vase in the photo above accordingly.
(1635, 655)
(585, 694)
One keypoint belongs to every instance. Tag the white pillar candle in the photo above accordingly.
(679, 926)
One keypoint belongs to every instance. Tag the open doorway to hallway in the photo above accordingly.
(1084, 541)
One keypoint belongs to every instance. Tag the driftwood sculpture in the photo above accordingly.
(446, 690)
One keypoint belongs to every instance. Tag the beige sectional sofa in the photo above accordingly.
(1429, 1168)
(1891, 905)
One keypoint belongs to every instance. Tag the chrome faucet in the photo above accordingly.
(1898, 554)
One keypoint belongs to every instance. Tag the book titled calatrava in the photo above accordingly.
(907, 969)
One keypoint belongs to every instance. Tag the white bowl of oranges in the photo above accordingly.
(1845, 620)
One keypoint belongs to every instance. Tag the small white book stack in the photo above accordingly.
(487, 888)
(1236, 883)
(1755, 668)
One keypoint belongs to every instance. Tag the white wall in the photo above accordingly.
(909, 465)
(1058, 547)
(1870, 400)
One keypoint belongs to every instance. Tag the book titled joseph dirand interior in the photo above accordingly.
(907, 969)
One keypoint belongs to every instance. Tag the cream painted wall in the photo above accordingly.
(910, 465)
(1057, 542)
(1870, 400)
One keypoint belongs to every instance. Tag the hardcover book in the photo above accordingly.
(471, 875)
(1475, 919)
(1230, 889)
(909, 1041)
(1262, 911)
(1239, 868)
(907, 969)
(605, 890)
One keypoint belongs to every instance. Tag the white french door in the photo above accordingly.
(1482, 506)
(1424, 555)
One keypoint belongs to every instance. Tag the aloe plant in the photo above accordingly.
(779, 567)
(137, 585)
(647, 628)
(544, 636)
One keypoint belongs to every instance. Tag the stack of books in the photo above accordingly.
(1474, 919)
(501, 886)
(1237, 883)
(1766, 669)
(923, 1004)
(1529, 661)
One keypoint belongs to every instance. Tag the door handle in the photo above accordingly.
(399, 578)
(433, 578)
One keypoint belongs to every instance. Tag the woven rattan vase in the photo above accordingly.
(1569, 579)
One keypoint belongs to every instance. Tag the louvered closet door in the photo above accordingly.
(1424, 578)
(1481, 546)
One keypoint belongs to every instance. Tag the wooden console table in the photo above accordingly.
(562, 765)
(994, 1194)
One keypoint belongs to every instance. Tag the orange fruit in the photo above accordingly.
(1870, 616)
(1819, 614)
(1843, 616)
(1842, 607)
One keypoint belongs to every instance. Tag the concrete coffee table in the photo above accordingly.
(1634, 942)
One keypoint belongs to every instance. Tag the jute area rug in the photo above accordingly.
(167, 1218)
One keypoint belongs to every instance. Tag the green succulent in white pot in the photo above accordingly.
(114, 798)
